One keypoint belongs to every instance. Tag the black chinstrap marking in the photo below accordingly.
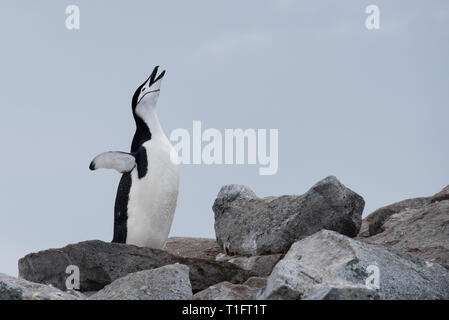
(157, 90)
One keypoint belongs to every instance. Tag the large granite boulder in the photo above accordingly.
(169, 282)
(230, 291)
(331, 265)
(100, 263)
(248, 225)
(417, 226)
(12, 288)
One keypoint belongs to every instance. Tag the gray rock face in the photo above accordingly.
(230, 291)
(18, 289)
(100, 263)
(421, 231)
(373, 223)
(344, 293)
(441, 196)
(248, 225)
(165, 283)
(261, 266)
(208, 249)
(329, 260)
(186, 247)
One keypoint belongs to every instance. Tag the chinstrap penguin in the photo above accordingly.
(148, 190)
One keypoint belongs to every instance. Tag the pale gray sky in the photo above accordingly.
(370, 107)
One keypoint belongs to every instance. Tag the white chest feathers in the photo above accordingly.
(152, 199)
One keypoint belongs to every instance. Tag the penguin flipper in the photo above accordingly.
(121, 161)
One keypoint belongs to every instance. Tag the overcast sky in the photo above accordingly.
(370, 107)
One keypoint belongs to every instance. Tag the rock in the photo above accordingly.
(12, 288)
(373, 223)
(416, 226)
(201, 248)
(100, 263)
(261, 266)
(441, 196)
(248, 225)
(423, 232)
(169, 282)
(345, 293)
(78, 294)
(327, 259)
(229, 291)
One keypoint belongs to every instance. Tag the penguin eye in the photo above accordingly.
(143, 89)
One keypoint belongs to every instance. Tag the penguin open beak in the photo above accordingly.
(153, 83)
(153, 78)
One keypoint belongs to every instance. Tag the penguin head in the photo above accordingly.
(146, 96)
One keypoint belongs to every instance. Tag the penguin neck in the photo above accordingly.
(152, 121)
(147, 127)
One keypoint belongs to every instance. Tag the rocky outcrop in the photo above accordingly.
(287, 247)
(331, 265)
(248, 225)
(100, 263)
(19, 289)
(230, 291)
(169, 282)
(416, 226)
